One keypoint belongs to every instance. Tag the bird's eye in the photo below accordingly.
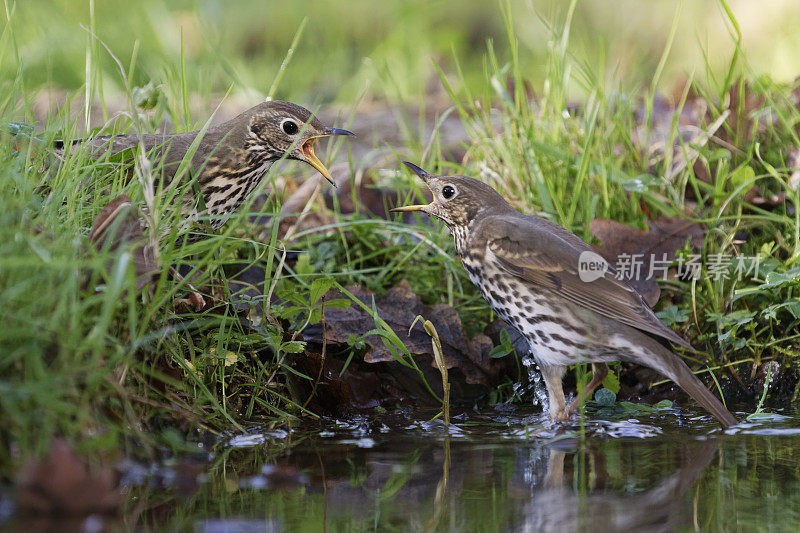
(448, 191)
(289, 127)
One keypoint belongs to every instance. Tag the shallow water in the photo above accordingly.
(499, 470)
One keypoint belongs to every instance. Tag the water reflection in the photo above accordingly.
(555, 505)
(496, 473)
(625, 475)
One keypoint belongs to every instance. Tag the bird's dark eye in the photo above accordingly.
(448, 191)
(289, 127)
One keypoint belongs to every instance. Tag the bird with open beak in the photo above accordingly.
(230, 159)
(527, 269)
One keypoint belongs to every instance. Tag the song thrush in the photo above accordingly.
(231, 158)
(527, 269)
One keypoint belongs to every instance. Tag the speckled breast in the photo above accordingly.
(551, 326)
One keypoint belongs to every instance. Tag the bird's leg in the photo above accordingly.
(599, 373)
(554, 479)
(555, 390)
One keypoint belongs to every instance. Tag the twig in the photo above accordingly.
(195, 299)
(438, 358)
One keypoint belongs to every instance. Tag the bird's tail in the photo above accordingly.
(683, 376)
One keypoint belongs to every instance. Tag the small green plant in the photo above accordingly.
(505, 347)
(438, 358)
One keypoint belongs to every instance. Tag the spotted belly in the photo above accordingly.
(224, 195)
(557, 332)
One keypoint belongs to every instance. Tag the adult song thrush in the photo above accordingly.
(231, 158)
(527, 269)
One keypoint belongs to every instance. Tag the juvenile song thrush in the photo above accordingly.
(527, 268)
(231, 158)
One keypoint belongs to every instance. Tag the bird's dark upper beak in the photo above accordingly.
(424, 176)
(337, 131)
(418, 171)
(308, 151)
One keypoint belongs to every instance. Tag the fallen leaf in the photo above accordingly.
(119, 226)
(399, 307)
(61, 484)
(665, 237)
(755, 197)
(292, 216)
(472, 369)
(194, 300)
(340, 388)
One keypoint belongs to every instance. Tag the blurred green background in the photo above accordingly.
(388, 47)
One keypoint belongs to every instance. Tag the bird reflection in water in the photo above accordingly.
(557, 505)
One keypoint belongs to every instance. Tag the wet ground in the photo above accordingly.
(498, 470)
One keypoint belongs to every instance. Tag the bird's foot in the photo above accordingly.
(599, 373)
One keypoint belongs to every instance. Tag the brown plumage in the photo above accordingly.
(231, 158)
(526, 267)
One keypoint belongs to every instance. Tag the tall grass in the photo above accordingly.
(84, 354)
(573, 163)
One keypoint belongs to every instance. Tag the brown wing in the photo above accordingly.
(170, 149)
(102, 144)
(546, 255)
(166, 150)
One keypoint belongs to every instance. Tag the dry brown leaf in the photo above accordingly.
(62, 485)
(296, 214)
(399, 307)
(666, 236)
(472, 370)
(340, 386)
(118, 226)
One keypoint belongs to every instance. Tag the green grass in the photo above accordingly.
(578, 165)
(83, 354)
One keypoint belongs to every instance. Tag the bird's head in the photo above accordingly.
(283, 128)
(457, 200)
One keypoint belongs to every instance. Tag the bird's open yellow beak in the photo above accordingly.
(408, 208)
(307, 150)
(313, 160)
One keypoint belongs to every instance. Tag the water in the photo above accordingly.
(535, 383)
(499, 470)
